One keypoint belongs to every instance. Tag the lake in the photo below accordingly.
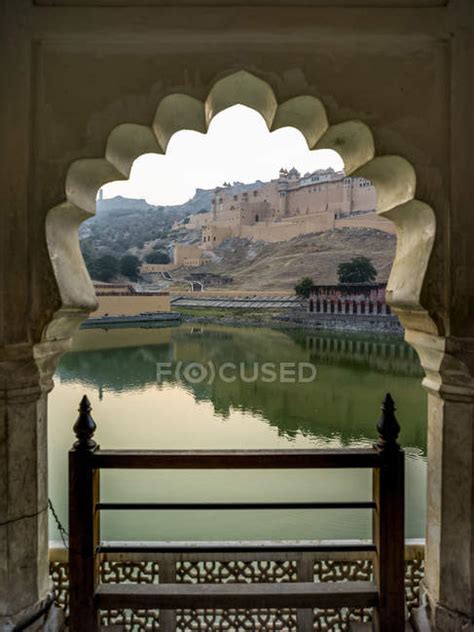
(153, 388)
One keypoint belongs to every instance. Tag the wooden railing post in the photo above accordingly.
(83, 525)
(305, 573)
(167, 572)
(389, 524)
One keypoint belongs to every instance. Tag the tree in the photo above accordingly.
(303, 287)
(103, 268)
(357, 270)
(157, 256)
(129, 265)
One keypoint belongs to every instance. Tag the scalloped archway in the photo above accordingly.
(393, 177)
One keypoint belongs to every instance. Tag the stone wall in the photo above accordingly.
(214, 234)
(131, 305)
(366, 220)
(187, 255)
(156, 268)
(346, 322)
(197, 221)
(285, 230)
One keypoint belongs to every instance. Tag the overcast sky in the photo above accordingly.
(238, 146)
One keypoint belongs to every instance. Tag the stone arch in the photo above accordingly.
(393, 177)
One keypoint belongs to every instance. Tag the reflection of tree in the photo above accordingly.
(343, 402)
(123, 369)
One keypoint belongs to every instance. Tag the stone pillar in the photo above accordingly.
(25, 587)
(449, 570)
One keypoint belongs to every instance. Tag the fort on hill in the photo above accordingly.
(287, 207)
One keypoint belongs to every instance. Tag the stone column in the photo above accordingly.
(25, 587)
(449, 571)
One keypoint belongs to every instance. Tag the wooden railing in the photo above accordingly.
(385, 594)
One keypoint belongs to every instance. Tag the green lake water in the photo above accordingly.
(117, 369)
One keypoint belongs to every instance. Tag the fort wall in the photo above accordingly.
(197, 221)
(366, 220)
(187, 255)
(290, 206)
(132, 304)
(156, 268)
(285, 230)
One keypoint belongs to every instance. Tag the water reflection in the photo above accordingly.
(117, 368)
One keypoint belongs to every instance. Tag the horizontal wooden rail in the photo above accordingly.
(198, 548)
(213, 506)
(236, 459)
(274, 595)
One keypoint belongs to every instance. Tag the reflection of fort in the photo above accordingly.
(353, 373)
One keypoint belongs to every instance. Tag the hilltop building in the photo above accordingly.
(186, 255)
(289, 206)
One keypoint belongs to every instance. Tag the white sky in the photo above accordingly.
(237, 147)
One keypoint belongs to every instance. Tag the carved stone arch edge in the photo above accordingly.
(393, 177)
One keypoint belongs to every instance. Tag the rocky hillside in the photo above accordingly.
(125, 225)
(278, 266)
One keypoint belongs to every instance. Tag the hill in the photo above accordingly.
(278, 266)
(124, 225)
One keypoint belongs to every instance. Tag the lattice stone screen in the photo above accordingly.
(234, 567)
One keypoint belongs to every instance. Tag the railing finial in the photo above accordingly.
(85, 427)
(387, 425)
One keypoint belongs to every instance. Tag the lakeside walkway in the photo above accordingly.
(238, 302)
